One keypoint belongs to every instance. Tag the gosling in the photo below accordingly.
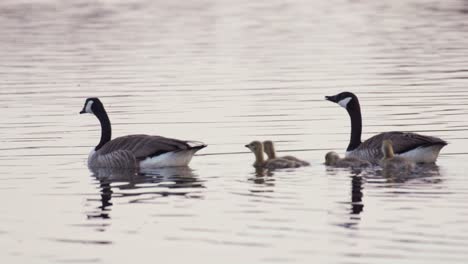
(392, 163)
(269, 148)
(257, 148)
(333, 159)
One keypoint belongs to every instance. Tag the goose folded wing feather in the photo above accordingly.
(143, 146)
(115, 159)
(402, 141)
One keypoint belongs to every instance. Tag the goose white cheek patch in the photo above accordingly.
(344, 102)
(88, 107)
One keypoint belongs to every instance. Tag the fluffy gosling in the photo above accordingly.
(392, 163)
(269, 149)
(257, 148)
(333, 159)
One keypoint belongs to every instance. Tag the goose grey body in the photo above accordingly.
(415, 147)
(136, 151)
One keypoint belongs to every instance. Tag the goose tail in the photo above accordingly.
(196, 145)
(197, 148)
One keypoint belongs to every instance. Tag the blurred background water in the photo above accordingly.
(228, 72)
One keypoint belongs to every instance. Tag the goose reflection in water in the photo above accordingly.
(357, 204)
(422, 176)
(356, 195)
(125, 183)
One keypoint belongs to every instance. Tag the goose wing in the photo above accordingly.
(143, 146)
(402, 141)
(116, 159)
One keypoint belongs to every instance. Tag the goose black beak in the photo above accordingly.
(83, 112)
(331, 98)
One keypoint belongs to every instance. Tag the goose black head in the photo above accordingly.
(92, 106)
(344, 99)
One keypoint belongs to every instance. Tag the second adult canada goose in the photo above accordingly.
(136, 151)
(416, 147)
(333, 159)
(257, 148)
(392, 163)
(269, 149)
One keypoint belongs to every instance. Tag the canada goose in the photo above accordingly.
(418, 148)
(333, 159)
(135, 151)
(257, 148)
(392, 163)
(269, 149)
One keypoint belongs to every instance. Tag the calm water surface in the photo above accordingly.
(228, 72)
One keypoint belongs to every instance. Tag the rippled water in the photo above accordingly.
(227, 72)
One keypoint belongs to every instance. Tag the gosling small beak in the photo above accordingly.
(246, 146)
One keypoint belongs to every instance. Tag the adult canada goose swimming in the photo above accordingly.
(257, 148)
(416, 147)
(136, 151)
(391, 163)
(333, 159)
(269, 149)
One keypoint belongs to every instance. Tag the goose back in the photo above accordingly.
(143, 146)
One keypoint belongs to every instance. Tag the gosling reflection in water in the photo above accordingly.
(421, 174)
(116, 183)
(263, 177)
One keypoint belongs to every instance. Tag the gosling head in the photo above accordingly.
(387, 149)
(331, 158)
(346, 100)
(269, 149)
(92, 106)
(255, 146)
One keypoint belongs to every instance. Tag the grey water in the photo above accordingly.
(226, 73)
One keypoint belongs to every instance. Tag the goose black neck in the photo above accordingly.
(354, 111)
(106, 130)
